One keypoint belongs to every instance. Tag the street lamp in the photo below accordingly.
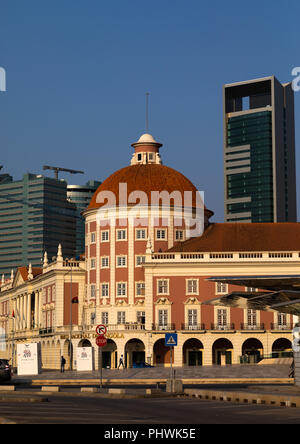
(68, 262)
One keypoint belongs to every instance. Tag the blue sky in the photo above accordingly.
(77, 74)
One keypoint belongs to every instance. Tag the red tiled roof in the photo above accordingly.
(24, 272)
(222, 237)
(146, 178)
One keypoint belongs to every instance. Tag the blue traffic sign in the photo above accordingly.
(171, 339)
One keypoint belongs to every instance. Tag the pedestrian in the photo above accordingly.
(121, 361)
(62, 364)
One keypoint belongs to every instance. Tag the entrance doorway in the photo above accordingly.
(194, 357)
(193, 352)
(222, 352)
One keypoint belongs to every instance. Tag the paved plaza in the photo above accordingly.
(205, 372)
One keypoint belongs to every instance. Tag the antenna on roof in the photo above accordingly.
(147, 112)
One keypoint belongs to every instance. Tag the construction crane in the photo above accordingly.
(57, 169)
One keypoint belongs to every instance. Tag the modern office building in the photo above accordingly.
(81, 196)
(35, 216)
(259, 151)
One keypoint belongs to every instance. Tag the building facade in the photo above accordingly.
(259, 151)
(35, 217)
(144, 275)
(81, 196)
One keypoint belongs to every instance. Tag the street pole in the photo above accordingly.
(171, 376)
(100, 367)
(70, 339)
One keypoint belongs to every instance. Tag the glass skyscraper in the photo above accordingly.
(259, 152)
(81, 196)
(35, 216)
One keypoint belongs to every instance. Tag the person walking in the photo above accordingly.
(62, 364)
(121, 362)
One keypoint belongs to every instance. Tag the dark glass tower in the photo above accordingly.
(35, 216)
(259, 152)
(81, 196)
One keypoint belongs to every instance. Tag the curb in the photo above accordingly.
(198, 381)
(243, 397)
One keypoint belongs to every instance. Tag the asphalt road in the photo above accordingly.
(90, 410)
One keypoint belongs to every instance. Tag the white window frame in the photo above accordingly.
(93, 263)
(221, 288)
(104, 317)
(162, 318)
(121, 261)
(121, 317)
(105, 236)
(192, 318)
(181, 237)
(105, 290)
(192, 291)
(138, 262)
(93, 237)
(140, 288)
(222, 318)
(160, 286)
(161, 234)
(104, 261)
(121, 290)
(251, 317)
(137, 234)
(123, 231)
(93, 291)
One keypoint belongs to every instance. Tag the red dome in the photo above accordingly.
(146, 178)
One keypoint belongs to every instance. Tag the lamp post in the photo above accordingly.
(70, 335)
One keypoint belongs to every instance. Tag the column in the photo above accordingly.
(36, 310)
(28, 311)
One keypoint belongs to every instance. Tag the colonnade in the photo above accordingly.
(27, 310)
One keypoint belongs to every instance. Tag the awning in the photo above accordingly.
(282, 293)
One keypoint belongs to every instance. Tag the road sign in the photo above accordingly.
(171, 339)
(101, 329)
(101, 341)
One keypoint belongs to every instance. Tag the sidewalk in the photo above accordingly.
(207, 372)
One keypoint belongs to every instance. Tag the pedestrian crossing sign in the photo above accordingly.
(171, 339)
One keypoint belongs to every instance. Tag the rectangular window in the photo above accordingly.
(140, 288)
(104, 317)
(163, 287)
(93, 238)
(192, 318)
(140, 234)
(93, 291)
(251, 318)
(121, 289)
(281, 319)
(140, 260)
(121, 261)
(140, 317)
(161, 234)
(162, 318)
(179, 235)
(104, 290)
(105, 262)
(222, 318)
(121, 317)
(121, 235)
(93, 318)
(104, 236)
(192, 286)
(221, 288)
(93, 263)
